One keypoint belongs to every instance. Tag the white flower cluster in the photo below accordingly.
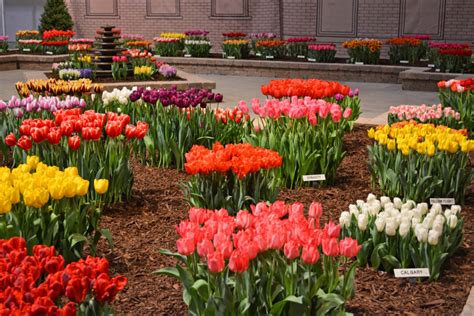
(117, 96)
(197, 42)
(69, 74)
(427, 224)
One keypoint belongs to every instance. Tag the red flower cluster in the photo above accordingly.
(456, 51)
(234, 34)
(241, 159)
(34, 285)
(218, 237)
(75, 125)
(301, 39)
(58, 34)
(314, 88)
(235, 115)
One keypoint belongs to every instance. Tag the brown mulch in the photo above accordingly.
(144, 225)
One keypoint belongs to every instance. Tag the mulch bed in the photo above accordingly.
(144, 225)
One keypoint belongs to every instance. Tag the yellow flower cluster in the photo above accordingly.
(373, 44)
(173, 35)
(236, 42)
(85, 59)
(57, 87)
(143, 70)
(37, 183)
(21, 33)
(425, 139)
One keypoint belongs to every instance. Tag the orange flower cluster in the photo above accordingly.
(241, 159)
(313, 88)
(57, 87)
(409, 41)
(373, 44)
(226, 115)
(270, 43)
(138, 43)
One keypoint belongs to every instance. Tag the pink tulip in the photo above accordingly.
(330, 247)
(215, 262)
(347, 113)
(310, 254)
(243, 107)
(349, 247)
(291, 249)
(185, 246)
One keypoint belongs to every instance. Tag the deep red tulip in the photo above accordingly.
(106, 288)
(68, 310)
(10, 140)
(38, 134)
(74, 142)
(25, 143)
(25, 129)
(77, 289)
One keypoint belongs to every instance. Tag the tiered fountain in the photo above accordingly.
(108, 45)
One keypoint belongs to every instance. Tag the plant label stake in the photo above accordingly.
(301, 56)
(445, 201)
(314, 177)
(359, 63)
(403, 61)
(311, 59)
(412, 274)
(187, 55)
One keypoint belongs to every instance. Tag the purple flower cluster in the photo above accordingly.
(86, 73)
(351, 94)
(196, 33)
(258, 36)
(32, 104)
(192, 97)
(167, 71)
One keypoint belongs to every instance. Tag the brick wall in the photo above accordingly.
(375, 18)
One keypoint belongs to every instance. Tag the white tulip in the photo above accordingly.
(388, 205)
(404, 228)
(371, 197)
(428, 220)
(380, 224)
(383, 215)
(374, 210)
(394, 212)
(433, 237)
(345, 219)
(364, 209)
(440, 218)
(455, 209)
(421, 233)
(391, 227)
(423, 207)
(353, 210)
(411, 203)
(436, 208)
(405, 208)
(448, 213)
(414, 222)
(384, 200)
(397, 202)
(362, 221)
(452, 221)
(360, 203)
(438, 226)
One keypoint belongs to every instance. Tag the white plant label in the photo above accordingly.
(49, 53)
(187, 55)
(445, 201)
(311, 59)
(424, 59)
(438, 70)
(258, 54)
(359, 63)
(269, 57)
(26, 50)
(314, 177)
(431, 65)
(412, 273)
(230, 57)
(301, 56)
(403, 61)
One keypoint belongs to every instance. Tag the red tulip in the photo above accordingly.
(106, 288)
(332, 230)
(185, 246)
(68, 310)
(142, 129)
(349, 247)
(25, 129)
(38, 134)
(130, 131)
(10, 140)
(310, 254)
(54, 136)
(113, 129)
(239, 261)
(291, 249)
(205, 247)
(330, 247)
(77, 289)
(54, 264)
(74, 142)
(25, 143)
(215, 262)
(67, 128)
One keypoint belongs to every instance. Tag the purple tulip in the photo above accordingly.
(218, 97)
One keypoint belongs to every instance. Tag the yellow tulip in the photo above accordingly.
(391, 144)
(101, 185)
(71, 171)
(32, 161)
(431, 150)
(371, 133)
(405, 150)
(452, 147)
(5, 206)
(69, 188)
(57, 191)
(82, 186)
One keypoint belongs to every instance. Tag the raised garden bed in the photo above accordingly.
(144, 225)
(29, 61)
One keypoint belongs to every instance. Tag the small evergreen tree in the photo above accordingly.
(55, 16)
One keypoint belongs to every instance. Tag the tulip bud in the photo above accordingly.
(436, 208)
(397, 203)
(421, 233)
(456, 209)
(353, 210)
(452, 221)
(433, 237)
(362, 221)
(391, 226)
(101, 185)
(384, 200)
(359, 203)
(345, 219)
(414, 221)
(371, 197)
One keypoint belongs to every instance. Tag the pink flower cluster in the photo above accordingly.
(423, 112)
(297, 108)
(30, 41)
(82, 41)
(301, 39)
(3, 38)
(217, 237)
(122, 59)
(166, 40)
(319, 47)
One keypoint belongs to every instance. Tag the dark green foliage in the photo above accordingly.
(55, 16)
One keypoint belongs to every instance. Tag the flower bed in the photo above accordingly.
(56, 42)
(458, 94)
(42, 284)
(397, 235)
(231, 177)
(275, 246)
(322, 53)
(450, 57)
(297, 47)
(419, 161)
(3, 44)
(405, 49)
(434, 114)
(197, 43)
(366, 51)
